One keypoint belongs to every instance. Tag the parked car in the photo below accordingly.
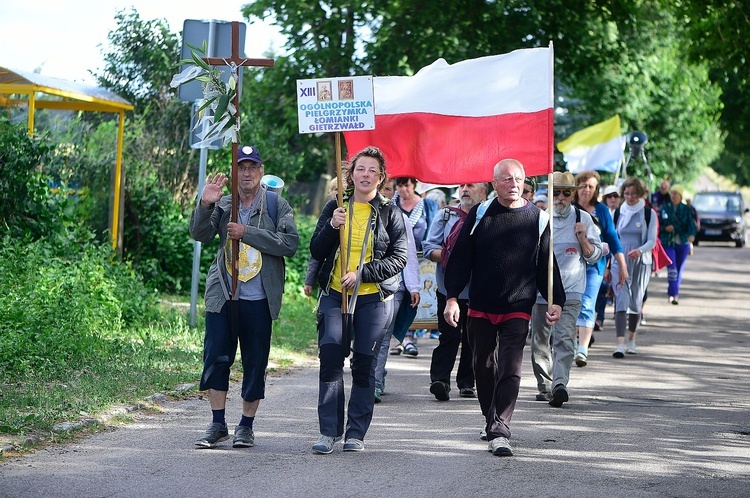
(722, 217)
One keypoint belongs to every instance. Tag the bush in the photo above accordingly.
(158, 242)
(27, 206)
(296, 267)
(65, 311)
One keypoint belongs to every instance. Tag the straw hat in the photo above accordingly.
(563, 179)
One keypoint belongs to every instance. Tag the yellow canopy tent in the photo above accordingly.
(21, 89)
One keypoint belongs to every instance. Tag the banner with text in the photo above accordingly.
(335, 104)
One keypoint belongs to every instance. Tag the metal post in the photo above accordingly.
(197, 245)
(201, 181)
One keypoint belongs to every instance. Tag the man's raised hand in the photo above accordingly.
(213, 189)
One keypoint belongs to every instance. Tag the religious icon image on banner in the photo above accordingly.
(427, 308)
(346, 89)
(324, 91)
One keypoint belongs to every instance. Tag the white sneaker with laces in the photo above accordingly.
(630, 348)
(500, 447)
(619, 351)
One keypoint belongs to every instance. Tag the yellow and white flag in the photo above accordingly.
(598, 147)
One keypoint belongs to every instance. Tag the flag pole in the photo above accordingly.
(550, 261)
(622, 165)
(340, 200)
(550, 184)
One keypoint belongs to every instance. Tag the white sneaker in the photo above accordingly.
(619, 351)
(630, 348)
(500, 447)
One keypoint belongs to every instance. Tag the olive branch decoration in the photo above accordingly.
(218, 97)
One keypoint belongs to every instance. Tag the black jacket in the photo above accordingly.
(389, 249)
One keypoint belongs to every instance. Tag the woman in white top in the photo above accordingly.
(638, 232)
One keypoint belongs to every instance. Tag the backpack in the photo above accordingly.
(450, 240)
(646, 214)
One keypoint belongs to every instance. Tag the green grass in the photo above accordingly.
(135, 368)
(85, 335)
(31, 403)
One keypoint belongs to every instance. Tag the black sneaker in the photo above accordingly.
(215, 434)
(467, 392)
(559, 396)
(243, 437)
(440, 390)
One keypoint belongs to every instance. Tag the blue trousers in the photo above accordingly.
(679, 255)
(370, 318)
(253, 331)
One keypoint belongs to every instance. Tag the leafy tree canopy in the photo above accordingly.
(625, 57)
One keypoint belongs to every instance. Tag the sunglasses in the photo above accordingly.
(566, 193)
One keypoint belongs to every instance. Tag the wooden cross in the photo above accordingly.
(224, 61)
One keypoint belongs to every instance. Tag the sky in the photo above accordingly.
(65, 38)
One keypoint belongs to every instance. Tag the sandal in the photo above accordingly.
(397, 349)
(410, 349)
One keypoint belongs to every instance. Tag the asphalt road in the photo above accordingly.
(673, 421)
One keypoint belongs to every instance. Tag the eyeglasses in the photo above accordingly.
(512, 179)
(249, 166)
(566, 193)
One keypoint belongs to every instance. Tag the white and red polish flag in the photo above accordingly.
(451, 123)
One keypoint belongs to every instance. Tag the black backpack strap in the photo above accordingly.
(646, 214)
(578, 214)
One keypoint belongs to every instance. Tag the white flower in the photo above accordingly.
(187, 74)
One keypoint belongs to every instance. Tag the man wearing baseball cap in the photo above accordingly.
(266, 233)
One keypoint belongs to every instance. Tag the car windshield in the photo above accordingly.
(717, 203)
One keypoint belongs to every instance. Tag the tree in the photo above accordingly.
(656, 89)
(611, 57)
(717, 36)
(161, 168)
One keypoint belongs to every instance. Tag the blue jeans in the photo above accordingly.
(588, 299)
(385, 344)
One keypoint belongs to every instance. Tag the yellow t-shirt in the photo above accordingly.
(361, 217)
